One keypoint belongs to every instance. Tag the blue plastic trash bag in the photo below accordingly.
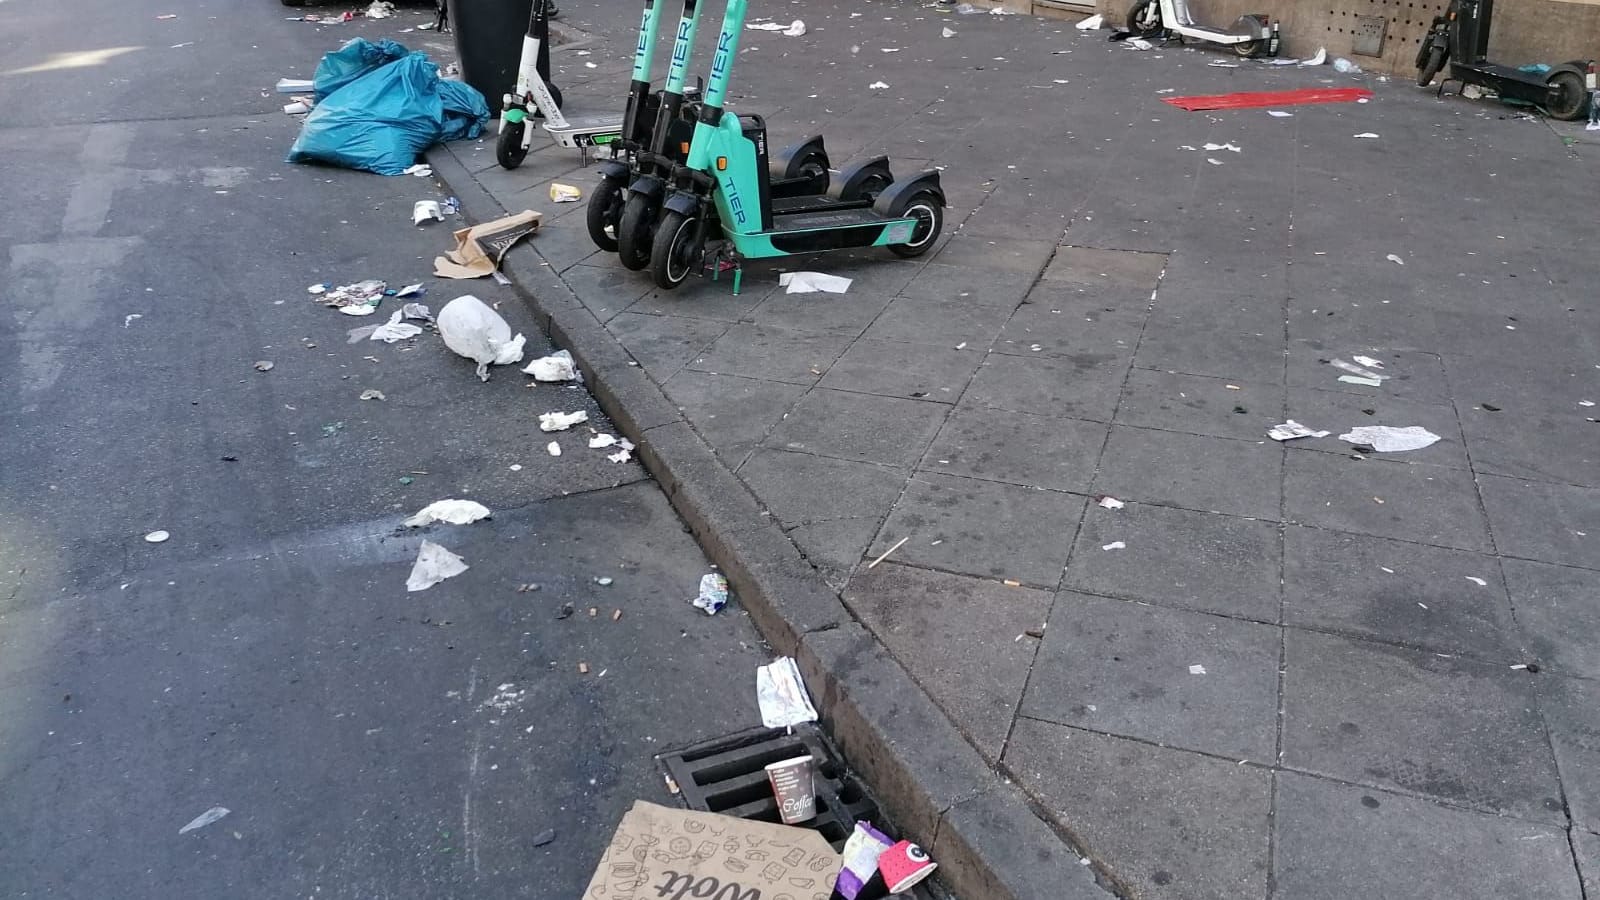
(384, 119)
(355, 59)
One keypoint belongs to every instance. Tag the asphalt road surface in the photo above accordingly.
(367, 741)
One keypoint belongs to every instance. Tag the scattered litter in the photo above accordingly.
(565, 193)
(1358, 379)
(358, 299)
(1316, 59)
(602, 441)
(1357, 371)
(1091, 23)
(782, 694)
(1114, 545)
(1230, 147)
(128, 320)
(420, 170)
(425, 210)
(544, 837)
(1214, 162)
(480, 249)
(561, 421)
(1197, 670)
(1222, 65)
(885, 554)
(713, 593)
(372, 394)
(1346, 67)
(1367, 361)
(295, 85)
(394, 329)
(206, 818)
(949, 32)
(416, 311)
(1291, 429)
(967, 9)
(553, 448)
(434, 564)
(1002, 11)
(263, 365)
(1109, 502)
(472, 329)
(603, 581)
(1280, 114)
(878, 86)
(1477, 581)
(1139, 44)
(296, 108)
(156, 537)
(793, 29)
(1583, 403)
(1366, 135)
(453, 512)
(558, 366)
(380, 9)
(812, 282)
(1390, 439)
(624, 451)
(583, 668)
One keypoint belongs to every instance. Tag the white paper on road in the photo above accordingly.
(782, 695)
(1316, 59)
(204, 819)
(434, 564)
(1356, 370)
(1280, 114)
(1091, 23)
(1390, 439)
(1368, 361)
(561, 421)
(812, 282)
(394, 329)
(1359, 379)
(1228, 146)
(424, 210)
(1290, 429)
(454, 512)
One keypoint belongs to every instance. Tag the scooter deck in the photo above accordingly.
(590, 122)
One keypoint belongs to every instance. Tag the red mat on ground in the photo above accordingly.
(1252, 100)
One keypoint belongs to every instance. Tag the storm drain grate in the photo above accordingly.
(728, 775)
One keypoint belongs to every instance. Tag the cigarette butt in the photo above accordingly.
(616, 615)
(1011, 582)
(594, 611)
(874, 563)
(583, 668)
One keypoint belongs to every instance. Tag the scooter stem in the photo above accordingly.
(678, 69)
(722, 62)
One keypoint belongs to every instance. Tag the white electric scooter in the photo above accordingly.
(1250, 36)
(536, 96)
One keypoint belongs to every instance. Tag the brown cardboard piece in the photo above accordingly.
(480, 249)
(660, 853)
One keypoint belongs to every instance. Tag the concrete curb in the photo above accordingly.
(989, 842)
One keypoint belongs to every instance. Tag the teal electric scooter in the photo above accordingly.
(726, 184)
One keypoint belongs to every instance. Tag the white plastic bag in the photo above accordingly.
(472, 329)
(558, 366)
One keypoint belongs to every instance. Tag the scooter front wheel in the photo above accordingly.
(605, 209)
(675, 250)
(1568, 96)
(1144, 16)
(508, 149)
(636, 234)
(1431, 66)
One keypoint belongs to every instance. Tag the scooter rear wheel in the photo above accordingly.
(1568, 95)
(1431, 66)
(605, 210)
(508, 149)
(927, 207)
(673, 255)
(1144, 16)
(637, 232)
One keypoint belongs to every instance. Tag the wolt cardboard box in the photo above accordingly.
(660, 853)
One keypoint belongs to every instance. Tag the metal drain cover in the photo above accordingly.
(728, 775)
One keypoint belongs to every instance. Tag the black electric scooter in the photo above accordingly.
(1461, 37)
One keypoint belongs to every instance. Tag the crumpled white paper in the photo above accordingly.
(394, 329)
(1290, 429)
(454, 512)
(434, 564)
(558, 366)
(561, 421)
(812, 282)
(1091, 23)
(1390, 439)
(782, 695)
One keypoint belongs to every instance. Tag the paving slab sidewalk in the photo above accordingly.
(1278, 670)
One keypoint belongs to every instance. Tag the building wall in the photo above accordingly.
(1524, 31)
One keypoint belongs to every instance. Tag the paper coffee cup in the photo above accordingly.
(792, 785)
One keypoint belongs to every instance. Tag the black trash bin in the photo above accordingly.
(489, 44)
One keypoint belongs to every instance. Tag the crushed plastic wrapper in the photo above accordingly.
(558, 366)
(781, 693)
(564, 193)
(713, 593)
